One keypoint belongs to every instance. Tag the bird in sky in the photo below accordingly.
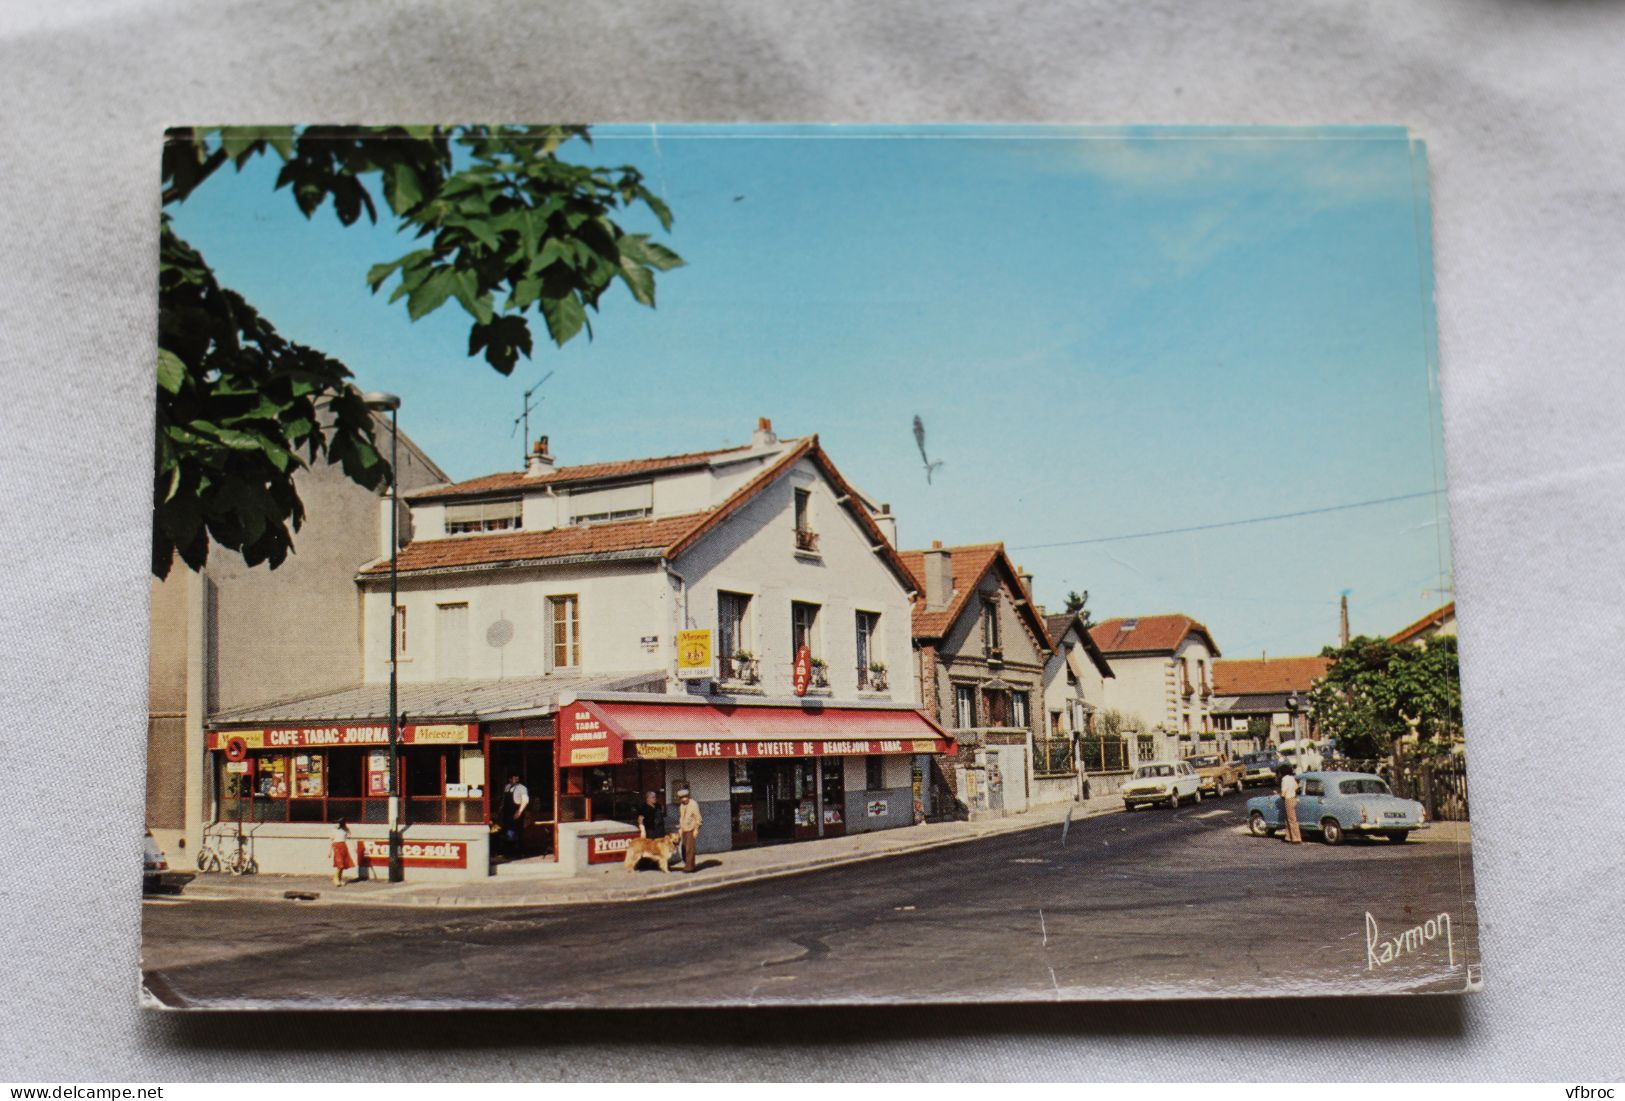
(919, 439)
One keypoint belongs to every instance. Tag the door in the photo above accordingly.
(1311, 798)
(773, 787)
(532, 761)
(1013, 773)
(451, 641)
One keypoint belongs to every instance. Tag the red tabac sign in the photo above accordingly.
(342, 734)
(801, 672)
(586, 739)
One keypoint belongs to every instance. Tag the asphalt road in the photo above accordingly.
(1156, 903)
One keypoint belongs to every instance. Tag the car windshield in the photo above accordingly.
(1204, 762)
(1367, 786)
(1257, 758)
(1153, 770)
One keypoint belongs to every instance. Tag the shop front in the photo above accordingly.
(278, 790)
(761, 773)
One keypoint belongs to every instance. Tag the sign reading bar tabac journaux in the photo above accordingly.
(694, 655)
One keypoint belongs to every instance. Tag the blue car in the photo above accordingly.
(1338, 804)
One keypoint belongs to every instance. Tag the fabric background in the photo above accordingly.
(1523, 109)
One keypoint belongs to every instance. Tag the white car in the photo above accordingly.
(1303, 756)
(1162, 782)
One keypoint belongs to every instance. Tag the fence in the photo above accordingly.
(1438, 783)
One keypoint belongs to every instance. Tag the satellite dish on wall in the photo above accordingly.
(499, 634)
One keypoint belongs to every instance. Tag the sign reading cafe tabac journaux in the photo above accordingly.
(345, 734)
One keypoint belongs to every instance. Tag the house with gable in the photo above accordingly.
(980, 648)
(1074, 694)
(1163, 682)
(613, 628)
(1263, 702)
(1440, 621)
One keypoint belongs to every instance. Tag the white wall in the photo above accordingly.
(618, 605)
(753, 552)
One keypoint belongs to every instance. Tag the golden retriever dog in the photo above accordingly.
(658, 849)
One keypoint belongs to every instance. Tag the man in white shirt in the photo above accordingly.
(515, 798)
(1289, 797)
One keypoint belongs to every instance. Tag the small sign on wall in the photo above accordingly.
(694, 654)
(879, 808)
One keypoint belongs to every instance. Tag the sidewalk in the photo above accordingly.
(714, 869)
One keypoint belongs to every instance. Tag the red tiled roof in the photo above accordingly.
(524, 546)
(1421, 626)
(1259, 676)
(516, 479)
(969, 565)
(667, 536)
(1152, 634)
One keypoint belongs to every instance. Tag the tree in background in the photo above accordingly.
(1377, 692)
(507, 229)
(1078, 604)
(1258, 728)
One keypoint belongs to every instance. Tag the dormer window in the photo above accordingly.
(624, 502)
(478, 516)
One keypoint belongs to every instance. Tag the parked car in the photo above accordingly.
(1303, 755)
(156, 874)
(1338, 805)
(1162, 782)
(1260, 769)
(1216, 774)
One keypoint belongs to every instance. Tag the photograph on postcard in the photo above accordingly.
(610, 566)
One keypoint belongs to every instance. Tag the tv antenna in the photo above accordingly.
(524, 419)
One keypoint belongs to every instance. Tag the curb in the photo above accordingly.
(662, 891)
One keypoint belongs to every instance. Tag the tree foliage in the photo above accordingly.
(504, 227)
(1078, 604)
(1258, 728)
(1377, 691)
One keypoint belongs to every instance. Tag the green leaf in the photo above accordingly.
(467, 289)
(431, 293)
(564, 317)
(640, 279)
(171, 371)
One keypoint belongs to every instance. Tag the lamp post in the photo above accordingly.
(380, 401)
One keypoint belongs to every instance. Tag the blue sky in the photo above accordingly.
(1105, 332)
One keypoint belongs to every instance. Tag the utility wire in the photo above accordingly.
(1230, 523)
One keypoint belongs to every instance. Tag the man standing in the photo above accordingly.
(515, 798)
(688, 827)
(1289, 799)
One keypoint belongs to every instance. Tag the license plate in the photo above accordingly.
(1393, 814)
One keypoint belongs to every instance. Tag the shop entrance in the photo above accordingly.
(778, 800)
(532, 761)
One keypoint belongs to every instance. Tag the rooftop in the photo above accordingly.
(1151, 634)
(515, 480)
(1249, 677)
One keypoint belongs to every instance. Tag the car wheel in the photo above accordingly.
(1258, 826)
(1398, 836)
(1173, 801)
(1196, 796)
(1331, 831)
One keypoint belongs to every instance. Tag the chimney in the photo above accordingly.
(541, 460)
(763, 436)
(1026, 580)
(1343, 620)
(1039, 608)
(939, 577)
(887, 523)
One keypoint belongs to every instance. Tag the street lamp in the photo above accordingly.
(379, 401)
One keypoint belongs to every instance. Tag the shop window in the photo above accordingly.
(874, 772)
(615, 792)
(566, 630)
(964, 706)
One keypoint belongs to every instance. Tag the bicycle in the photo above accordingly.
(211, 857)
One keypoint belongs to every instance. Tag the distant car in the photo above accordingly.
(156, 874)
(1217, 775)
(1162, 782)
(1260, 769)
(1340, 804)
(1303, 755)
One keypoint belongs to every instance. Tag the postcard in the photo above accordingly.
(613, 566)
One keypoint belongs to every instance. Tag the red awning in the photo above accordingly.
(596, 732)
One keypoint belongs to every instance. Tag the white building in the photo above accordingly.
(1163, 682)
(1074, 693)
(538, 621)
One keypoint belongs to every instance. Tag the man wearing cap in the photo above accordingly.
(688, 826)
